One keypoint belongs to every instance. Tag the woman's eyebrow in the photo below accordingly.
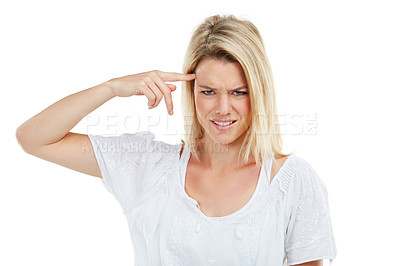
(209, 88)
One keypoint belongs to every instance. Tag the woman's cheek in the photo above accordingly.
(203, 106)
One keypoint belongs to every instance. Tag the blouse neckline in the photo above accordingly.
(262, 180)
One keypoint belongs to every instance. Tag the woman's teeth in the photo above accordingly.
(223, 124)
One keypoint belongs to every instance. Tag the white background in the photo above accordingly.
(336, 69)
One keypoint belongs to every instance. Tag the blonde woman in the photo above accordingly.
(227, 195)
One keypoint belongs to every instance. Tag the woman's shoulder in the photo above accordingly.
(293, 163)
(299, 174)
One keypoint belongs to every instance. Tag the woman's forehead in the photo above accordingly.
(216, 73)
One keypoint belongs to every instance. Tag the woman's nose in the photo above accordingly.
(223, 105)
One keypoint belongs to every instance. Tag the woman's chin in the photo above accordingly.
(223, 140)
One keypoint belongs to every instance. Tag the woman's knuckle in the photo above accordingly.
(147, 79)
(158, 73)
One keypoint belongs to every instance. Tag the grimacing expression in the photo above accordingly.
(222, 101)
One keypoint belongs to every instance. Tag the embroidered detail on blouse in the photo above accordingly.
(163, 168)
(176, 253)
(311, 229)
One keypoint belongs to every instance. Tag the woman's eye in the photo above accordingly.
(208, 92)
(240, 92)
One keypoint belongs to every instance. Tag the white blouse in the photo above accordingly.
(285, 222)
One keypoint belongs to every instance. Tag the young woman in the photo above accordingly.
(227, 195)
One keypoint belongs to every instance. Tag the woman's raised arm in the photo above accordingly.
(47, 136)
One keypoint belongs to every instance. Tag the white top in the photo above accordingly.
(285, 222)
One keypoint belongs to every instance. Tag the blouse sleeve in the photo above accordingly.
(309, 234)
(126, 164)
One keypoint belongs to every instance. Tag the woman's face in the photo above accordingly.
(222, 101)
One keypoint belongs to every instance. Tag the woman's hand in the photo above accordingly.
(151, 84)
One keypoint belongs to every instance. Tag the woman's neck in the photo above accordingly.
(220, 158)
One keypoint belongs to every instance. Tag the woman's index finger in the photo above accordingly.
(173, 76)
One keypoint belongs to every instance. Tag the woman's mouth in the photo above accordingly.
(223, 125)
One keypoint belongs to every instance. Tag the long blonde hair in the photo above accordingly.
(234, 40)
